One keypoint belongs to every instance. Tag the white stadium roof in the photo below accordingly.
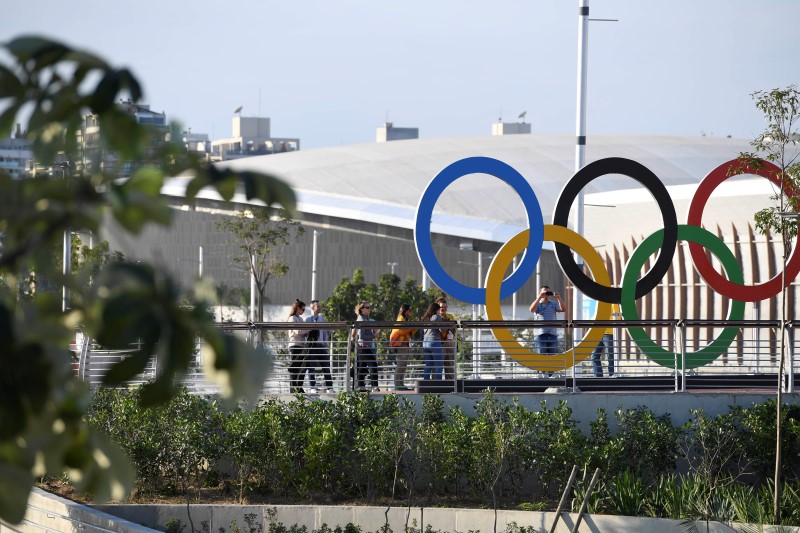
(383, 182)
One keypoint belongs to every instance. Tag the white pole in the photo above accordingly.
(580, 146)
(480, 279)
(425, 283)
(314, 265)
(252, 296)
(514, 296)
(200, 268)
(67, 261)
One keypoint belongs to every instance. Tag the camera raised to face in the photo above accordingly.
(548, 293)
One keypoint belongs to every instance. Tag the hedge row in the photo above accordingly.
(389, 450)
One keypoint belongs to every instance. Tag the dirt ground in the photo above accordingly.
(227, 495)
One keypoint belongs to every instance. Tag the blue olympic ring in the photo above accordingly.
(422, 228)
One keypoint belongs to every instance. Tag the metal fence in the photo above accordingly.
(678, 356)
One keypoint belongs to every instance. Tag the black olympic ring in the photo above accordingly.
(637, 171)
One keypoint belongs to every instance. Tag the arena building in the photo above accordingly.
(359, 203)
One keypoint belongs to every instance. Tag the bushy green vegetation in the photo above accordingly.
(390, 451)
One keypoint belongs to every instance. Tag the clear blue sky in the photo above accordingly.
(330, 72)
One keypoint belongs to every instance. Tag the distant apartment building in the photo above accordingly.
(16, 155)
(388, 132)
(196, 143)
(251, 136)
(93, 155)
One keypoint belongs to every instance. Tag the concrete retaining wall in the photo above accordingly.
(252, 519)
(52, 514)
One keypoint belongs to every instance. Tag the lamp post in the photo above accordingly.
(317, 233)
(67, 248)
(580, 126)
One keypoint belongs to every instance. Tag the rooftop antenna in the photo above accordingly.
(500, 118)
(259, 107)
(238, 110)
(386, 119)
(522, 115)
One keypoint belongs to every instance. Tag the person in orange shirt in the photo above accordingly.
(399, 342)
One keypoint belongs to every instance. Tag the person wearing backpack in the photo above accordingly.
(317, 350)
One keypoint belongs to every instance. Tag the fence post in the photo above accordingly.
(350, 368)
(575, 371)
(790, 362)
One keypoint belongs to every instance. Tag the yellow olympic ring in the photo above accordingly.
(494, 277)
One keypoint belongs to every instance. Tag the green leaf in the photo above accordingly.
(10, 85)
(129, 82)
(41, 49)
(15, 486)
(109, 475)
(105, 94)
(158, 391)
(127, 369)
(239, 370)
(148, 180)
(7, 118)
(137, 202)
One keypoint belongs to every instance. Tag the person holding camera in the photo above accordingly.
(546, 306)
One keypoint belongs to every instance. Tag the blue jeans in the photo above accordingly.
(366, 366)
(547, 343)
(432, 355)
(606, 342)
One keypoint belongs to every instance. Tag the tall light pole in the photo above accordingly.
(580, 127)
(317, 233)
(67, 255)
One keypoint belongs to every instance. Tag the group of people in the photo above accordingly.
(438, 346)
(546, 306)
(308, 349)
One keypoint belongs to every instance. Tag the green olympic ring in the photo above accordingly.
(648, 347)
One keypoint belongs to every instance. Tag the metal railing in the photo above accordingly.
(678, 358)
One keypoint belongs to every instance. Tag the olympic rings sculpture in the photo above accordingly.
(530, 241)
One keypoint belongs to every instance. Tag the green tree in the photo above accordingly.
(778, 144)
(262, 234)
(385, 297)
(49, 87)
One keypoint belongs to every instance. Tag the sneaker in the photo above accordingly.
(312, 390)
(330, 391)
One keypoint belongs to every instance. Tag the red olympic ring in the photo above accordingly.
(715, 280)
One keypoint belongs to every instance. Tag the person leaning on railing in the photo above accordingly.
(400, 346)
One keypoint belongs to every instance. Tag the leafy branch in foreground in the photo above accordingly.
(51, 88)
